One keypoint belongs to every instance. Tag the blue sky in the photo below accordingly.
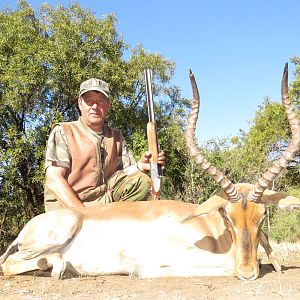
(237, 49)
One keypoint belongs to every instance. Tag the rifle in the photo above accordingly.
(155, 168)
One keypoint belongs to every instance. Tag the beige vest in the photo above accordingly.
(92, 161)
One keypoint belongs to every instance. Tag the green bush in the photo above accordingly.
(285, 226)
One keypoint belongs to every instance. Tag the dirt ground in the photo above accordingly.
(269, 285)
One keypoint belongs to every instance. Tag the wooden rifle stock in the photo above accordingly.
(155, 168)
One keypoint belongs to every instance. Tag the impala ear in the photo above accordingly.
(281, 200)
(213, 203)
(289, 202)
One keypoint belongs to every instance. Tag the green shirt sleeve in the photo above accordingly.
(57, 153)
(126, 159)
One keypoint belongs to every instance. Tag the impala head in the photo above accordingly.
(243, 206)
(244, 220)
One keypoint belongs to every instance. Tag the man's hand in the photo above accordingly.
(144, 162)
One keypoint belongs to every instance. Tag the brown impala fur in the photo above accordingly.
(159, 238)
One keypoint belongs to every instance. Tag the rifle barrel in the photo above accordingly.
(148, 80)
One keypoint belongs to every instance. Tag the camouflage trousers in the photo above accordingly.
(120, 187)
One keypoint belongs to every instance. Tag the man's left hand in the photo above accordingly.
(144, 162)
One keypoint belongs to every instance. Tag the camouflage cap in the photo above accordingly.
(94, 84)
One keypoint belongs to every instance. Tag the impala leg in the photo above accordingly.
(263, 239)
(16, 265)
(55, 262)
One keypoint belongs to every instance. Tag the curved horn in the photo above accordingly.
(290, 152)
(227, 186)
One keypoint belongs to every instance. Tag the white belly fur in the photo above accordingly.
(148, 250)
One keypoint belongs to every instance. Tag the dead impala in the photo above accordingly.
(161, 238)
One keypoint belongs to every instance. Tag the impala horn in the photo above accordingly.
(227, 186)
(294, 146)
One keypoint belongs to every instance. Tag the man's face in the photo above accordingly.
(94, 107)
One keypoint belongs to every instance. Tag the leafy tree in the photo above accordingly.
(296, 84)
(44, 56)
